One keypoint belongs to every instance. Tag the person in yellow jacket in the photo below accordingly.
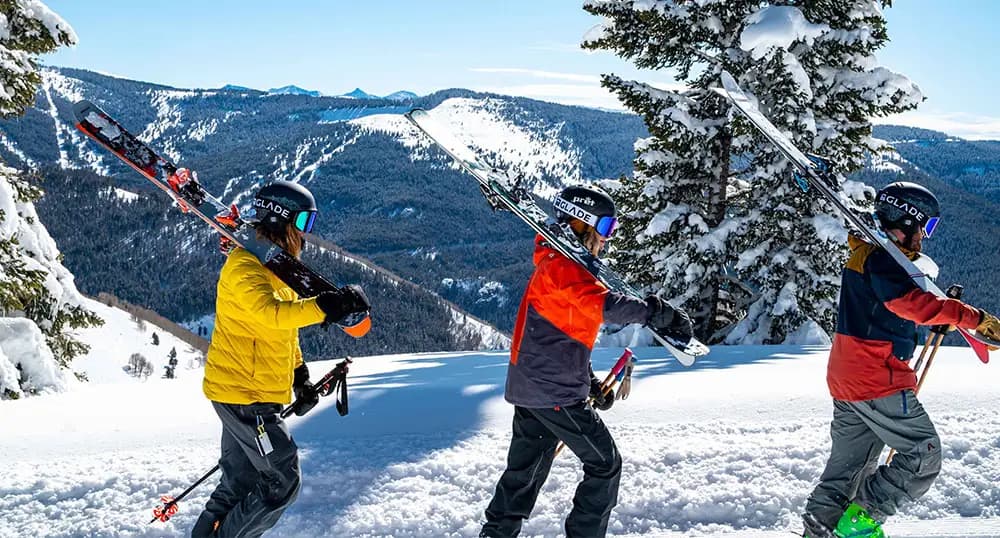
(254, 365)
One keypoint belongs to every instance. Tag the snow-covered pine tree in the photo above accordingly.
(815, 75)
(676, 234)
(28, 28)
(38, 300)
(709, 199)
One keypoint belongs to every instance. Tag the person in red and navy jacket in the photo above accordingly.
(870, 379)
(549, 378)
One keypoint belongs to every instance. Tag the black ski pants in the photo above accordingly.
(254, 489)
(532, 448)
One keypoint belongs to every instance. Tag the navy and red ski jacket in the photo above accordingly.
(880, 307)
(557, 323)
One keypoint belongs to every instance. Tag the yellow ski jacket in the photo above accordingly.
(255, 343)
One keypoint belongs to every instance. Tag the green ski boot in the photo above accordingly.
(856, 523)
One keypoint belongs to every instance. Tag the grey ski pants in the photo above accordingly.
(254, 490)
(859, 431)
(532, 448)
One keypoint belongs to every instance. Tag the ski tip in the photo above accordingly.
(81, 106)
(415, 112)
(360, 328)
(727, 80)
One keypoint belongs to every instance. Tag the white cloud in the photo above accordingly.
(964, 125)
(570, 88)
(593, 96)
(552, 46)
(536, 73)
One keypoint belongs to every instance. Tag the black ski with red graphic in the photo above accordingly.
(183, 187)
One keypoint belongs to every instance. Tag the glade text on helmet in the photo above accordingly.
(903, 206)
(272, 207)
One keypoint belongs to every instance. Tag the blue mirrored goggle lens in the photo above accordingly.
(606, 226)
(305, 220)
(931, 225)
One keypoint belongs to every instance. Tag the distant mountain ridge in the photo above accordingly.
(235, 88)
(293, 90)
(384, 192)
(356, 93)
(402, 95)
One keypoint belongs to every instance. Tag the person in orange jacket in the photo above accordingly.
(254, 365)
(870, 379)
(549, 378)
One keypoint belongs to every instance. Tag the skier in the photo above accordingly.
(871, 382)
(253, 366)
(549, 377)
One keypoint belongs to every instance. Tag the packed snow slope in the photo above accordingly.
(731, 446)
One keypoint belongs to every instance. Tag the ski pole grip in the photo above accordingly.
(954, 292)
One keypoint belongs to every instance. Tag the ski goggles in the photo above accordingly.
(893, 218)
(605, 226)
(930, 226)
(304, 221)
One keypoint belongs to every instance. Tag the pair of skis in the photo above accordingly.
(814, 175)
(503, 191)
(183, 187)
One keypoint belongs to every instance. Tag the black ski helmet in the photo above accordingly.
(588, 204)
(908, 207)
(280, 202)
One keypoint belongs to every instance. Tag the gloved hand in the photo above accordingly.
(305, 397)
(601, 401)
(665, 318)
(989, 326)
(343, 302)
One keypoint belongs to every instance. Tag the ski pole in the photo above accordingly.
(333, 380)
(614, 375)
(938, 334)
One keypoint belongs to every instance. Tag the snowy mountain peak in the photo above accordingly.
(293, 90)
(358, 93)
(401, 95)
(235, 88)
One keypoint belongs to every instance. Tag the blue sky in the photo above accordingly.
(520, 47)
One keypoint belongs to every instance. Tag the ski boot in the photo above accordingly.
(814, 528)
(857, 523)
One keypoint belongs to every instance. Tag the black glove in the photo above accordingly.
(601, 401)
(665, 318)
(343, 302)
(305, 397)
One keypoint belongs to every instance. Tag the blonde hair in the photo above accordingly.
(289, 239)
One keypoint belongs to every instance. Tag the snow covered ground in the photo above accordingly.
(730, 447)
(112, 344)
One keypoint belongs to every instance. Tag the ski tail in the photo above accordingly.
(684, 351)
(982, 349)
(357, 325)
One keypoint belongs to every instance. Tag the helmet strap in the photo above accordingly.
(908, 234)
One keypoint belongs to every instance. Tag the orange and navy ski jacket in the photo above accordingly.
(880, 307)
(557, 323)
